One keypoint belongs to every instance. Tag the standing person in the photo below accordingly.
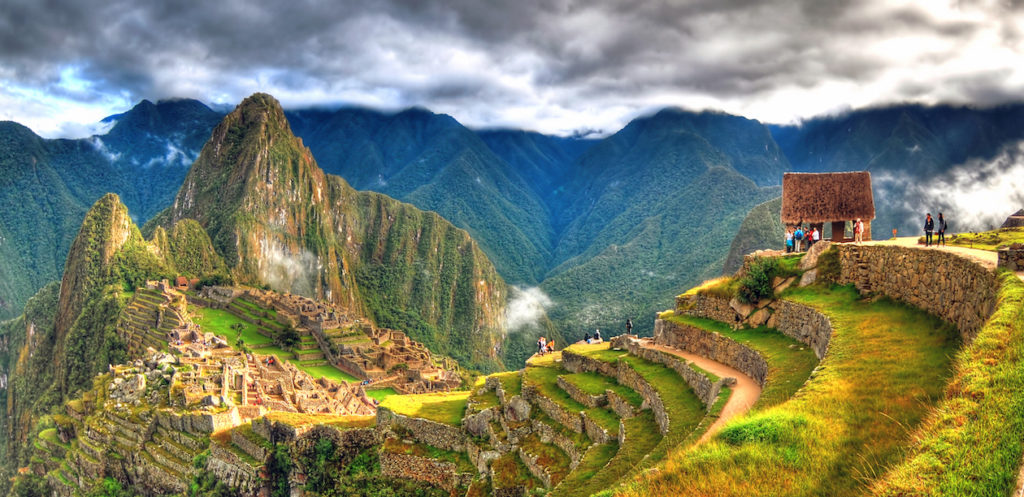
(540, 345)
(543, 345)
(942, 231)
(858, 232)
(929, 226)
(809, 235)
(816, 235)
(798, 237)
(629, 326)
(789, 240)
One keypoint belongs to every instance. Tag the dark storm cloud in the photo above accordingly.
(554, 65)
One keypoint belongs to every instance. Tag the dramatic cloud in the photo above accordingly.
(558, 66)
(975, 196)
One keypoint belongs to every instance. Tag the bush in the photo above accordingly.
(756, 285)
(287, 338)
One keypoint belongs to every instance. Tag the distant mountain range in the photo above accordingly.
(608, 229)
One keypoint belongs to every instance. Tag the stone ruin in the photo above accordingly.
(389, 358)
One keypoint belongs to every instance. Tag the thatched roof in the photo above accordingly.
(827, 197)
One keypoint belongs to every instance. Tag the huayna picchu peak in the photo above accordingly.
(278, 220)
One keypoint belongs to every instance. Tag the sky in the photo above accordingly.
(559, 67)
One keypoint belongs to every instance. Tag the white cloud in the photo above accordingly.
(526, 307)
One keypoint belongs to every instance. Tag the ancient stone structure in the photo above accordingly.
(713, 346)
(1012, 258)
(942, 283)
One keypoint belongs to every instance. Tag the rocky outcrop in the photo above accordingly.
(943, 283)
(707, 306)
(1011, 258)
(802, 323)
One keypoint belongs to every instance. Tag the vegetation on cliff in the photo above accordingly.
(277, 219)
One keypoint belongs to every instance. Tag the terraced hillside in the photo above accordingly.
(857, 391)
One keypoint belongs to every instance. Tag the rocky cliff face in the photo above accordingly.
(278, 219)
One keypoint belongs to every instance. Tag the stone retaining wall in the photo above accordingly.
(621, 406)
(233, 471)
(535, 468)
(548, 435)
(626, 376)
(706, 390)
(943, 283)
(707, 306)
(569, 419)
(713, 346)
(1012, 259)
(429, 432)
(587, 399)
(441, 474)
(802, 323)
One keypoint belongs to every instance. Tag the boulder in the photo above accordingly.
(518, 409)
(759, 318)
(780, 283)
(742, 309)
(809, 277)
(810, 259)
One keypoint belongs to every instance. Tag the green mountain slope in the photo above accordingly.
(761, 229)
(278, 219)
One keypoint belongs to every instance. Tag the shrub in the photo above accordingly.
(756, 285)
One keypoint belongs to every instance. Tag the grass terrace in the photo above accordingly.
(508, 471)
(447, 408)
(887, 365)
(988, 240)
(789, 362)
(596, 384)
(543, 374)
(642, 437)
(511, 382)
(298, 419)
(381, 393)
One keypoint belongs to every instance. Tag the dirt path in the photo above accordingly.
(744, 393)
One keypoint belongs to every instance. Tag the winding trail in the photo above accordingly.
(744, 394)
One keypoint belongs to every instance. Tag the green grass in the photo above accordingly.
(326, 371)
(545, 378)
(446, 408)
(887, 365)
(509, 471)
(595, 459)
(298, 419)
(482, 399)
(596, 384)
(971, 444)
(988, 240)
(642, 437)
(579, 440)
(381, 393)
(548, 456)
(511, 383)
(788, 366)
(462, 464)
(219, 322)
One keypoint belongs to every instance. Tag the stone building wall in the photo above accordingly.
(713, 346)
(943, 283)
(626, 376)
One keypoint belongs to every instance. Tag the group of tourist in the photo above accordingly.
(592, 339)
(929, 228)
(544, 345)
(800, 238)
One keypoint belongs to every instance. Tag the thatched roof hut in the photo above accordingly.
(826, 197)
(1016, 220)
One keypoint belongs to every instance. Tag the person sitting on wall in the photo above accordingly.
(597, 336)
(586, 337)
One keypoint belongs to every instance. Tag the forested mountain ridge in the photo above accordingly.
(277, 219)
